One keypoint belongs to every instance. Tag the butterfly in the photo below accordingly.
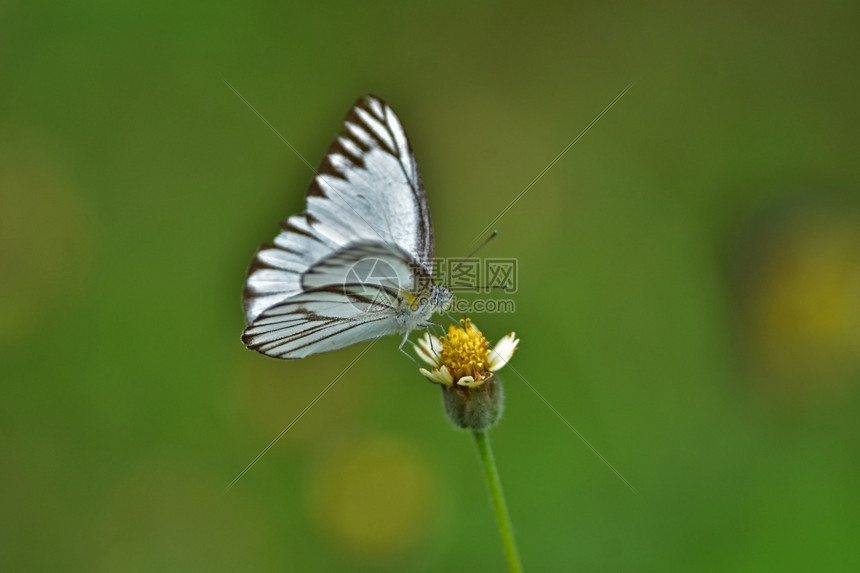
(357, 264)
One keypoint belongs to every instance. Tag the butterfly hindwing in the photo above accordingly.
(321, 320)
(365, 262)
(351, 295)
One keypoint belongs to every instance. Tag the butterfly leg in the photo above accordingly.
(430, 323)
(451, 318)
(406, 354)
(430, 338)
(409, 356)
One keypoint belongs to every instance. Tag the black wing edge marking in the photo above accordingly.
(258, 264)
(266, 347)
(365, 249)
(316, 322)
(411, 172)
(354, 293)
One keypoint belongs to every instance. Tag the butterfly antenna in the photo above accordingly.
(505, 286)
(483, 244)
(478, 248)
(437, 325)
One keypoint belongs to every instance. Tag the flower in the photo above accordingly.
(464, 355)
(464, 365)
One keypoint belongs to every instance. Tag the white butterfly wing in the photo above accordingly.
(368, 263)
(367, 188)
(276, 271)
(344, 301)
(320, 321)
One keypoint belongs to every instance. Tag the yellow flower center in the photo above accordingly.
(465, 351)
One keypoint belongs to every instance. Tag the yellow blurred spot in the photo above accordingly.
(46, 245)
(814, 290)
(374, 497)
(804, 302)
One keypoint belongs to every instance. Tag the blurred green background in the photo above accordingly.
(689, 289)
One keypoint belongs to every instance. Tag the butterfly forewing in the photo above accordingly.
(367, 189)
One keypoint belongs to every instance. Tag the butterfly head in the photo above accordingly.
(435, 299)
(440, 298)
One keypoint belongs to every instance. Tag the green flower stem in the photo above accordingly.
(485, 453)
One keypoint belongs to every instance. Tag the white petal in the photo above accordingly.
(424, 356)
(428, 349)
(469, 382)
(503, 351)
(440, 376)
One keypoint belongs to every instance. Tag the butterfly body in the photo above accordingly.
(357, 263)
(417, 310)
